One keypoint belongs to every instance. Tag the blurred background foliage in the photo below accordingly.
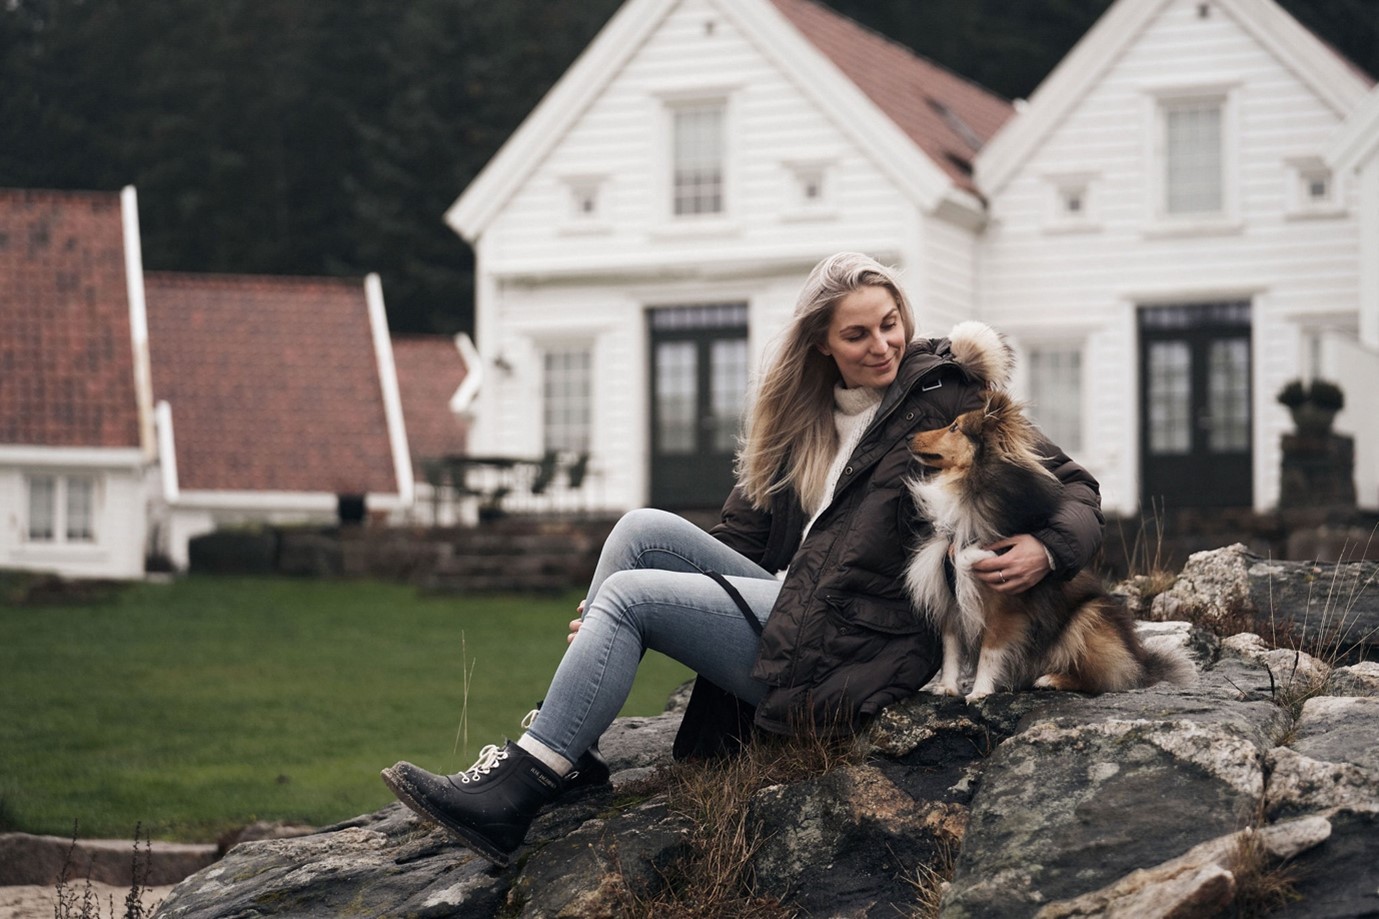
(299, 137)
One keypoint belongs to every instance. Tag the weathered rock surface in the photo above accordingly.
(1326, 604)
(1059, 805)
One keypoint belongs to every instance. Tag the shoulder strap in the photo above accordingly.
(732, 591)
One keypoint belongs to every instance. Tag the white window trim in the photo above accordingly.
(670, 224)
(795, 206)
(1161, 223)
(62, 479)
(1057, 218)
(548, 345)
(1064, 343)
(1298, 206)
(573, 221)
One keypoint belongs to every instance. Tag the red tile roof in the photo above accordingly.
(947, 116)
(66, 354)
(273, 383)
(429, 370)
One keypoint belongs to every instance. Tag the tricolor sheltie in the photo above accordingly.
(987, 483)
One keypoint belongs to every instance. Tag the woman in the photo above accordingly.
(804, 619)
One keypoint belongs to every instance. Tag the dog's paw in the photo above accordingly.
(946, 689)
(976, 696)
(1055, 681)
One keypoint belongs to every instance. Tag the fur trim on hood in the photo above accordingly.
(983, 353)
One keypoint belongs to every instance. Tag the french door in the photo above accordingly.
(698, 393)
(1195, 420)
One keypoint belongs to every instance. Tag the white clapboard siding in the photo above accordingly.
(1038, 279)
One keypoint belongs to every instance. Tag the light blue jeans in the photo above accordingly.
(648, 593)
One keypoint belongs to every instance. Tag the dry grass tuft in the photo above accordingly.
(931, 882)
(714, 879)
(1262, 884)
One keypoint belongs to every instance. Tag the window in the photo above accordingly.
(1072, 207)
(1313, 188)
(585, 199)
(1055, 382)
(1193, 157)
(62, 509)
(697, 154)
(566, 400)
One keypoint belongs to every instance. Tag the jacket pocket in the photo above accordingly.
(872, 613)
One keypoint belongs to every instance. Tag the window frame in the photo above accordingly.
(1163, 101)
(1034, 382)
(548, 424)
(60, 511)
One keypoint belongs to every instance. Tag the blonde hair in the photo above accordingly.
(790, 437)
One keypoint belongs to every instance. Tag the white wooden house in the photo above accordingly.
(1169, 245)
(643, 235)
(76, 421)
(1160, 231)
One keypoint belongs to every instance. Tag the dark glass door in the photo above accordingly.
(698, 393)
(1195, 422)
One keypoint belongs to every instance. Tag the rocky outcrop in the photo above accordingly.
(1330, 606)
(1167, 801)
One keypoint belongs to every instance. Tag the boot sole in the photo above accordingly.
(417, 804)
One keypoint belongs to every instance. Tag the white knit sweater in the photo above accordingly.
(853, 410)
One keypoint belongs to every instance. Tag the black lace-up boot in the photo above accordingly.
(589, 773)
(490, 805)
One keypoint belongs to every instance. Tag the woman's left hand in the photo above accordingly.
(1021, 563)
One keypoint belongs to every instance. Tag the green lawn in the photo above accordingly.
(200, 705)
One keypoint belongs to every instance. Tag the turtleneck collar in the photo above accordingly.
(855, 401)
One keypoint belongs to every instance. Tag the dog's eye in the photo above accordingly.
(953, 427)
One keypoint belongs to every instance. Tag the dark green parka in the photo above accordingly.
(842, 640)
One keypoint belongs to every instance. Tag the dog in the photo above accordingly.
(985, 481)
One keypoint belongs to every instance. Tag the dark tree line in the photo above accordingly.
(308, 137)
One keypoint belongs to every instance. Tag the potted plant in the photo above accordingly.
(1313, 405)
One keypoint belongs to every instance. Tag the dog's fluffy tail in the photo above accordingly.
(1166, 662)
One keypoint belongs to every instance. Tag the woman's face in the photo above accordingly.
(866, 338)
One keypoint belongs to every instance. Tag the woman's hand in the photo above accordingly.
(575, 623)
(1019, 564)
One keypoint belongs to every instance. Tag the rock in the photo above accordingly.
(1330, 762)
(845, 843)
(1202, 882)
(1330, 607)
(1059, 804)
(1361, 679)
(1339, 879)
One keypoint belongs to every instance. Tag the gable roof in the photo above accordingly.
(430, 371)
(947, 116)
(67, 356)
(1336, 81)
(273, 383)
(906, 112)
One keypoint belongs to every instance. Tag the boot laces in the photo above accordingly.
(489, 757)
(529, 717)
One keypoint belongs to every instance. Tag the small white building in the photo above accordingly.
(76, 426)
(1169, 230)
